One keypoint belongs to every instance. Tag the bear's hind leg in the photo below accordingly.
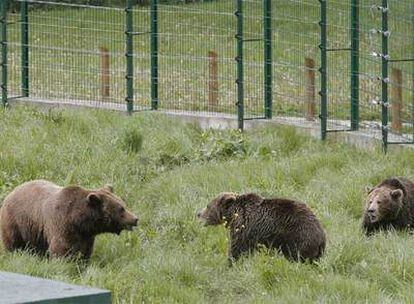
(11, 237)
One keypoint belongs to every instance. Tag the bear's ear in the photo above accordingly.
(396, 194)
(368, 189)
(94, 200)
(108, 188)
(227, 198)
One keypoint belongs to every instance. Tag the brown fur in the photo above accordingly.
(390, 204)
(283, 224)
(44, 217)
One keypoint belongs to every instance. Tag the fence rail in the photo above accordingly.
(345, 65)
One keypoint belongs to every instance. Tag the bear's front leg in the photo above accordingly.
(86, 247)
(59, 247)
(238, 246)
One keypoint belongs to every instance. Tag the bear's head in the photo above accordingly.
(383, 203)
(216, 211)
(109, 212)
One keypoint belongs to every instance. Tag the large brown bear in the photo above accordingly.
(283, 224)
(46, 218)
(390, 204)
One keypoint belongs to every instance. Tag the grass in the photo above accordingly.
(166, 170)
(65, 61)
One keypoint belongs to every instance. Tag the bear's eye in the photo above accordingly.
(379, 202)
(122, 209)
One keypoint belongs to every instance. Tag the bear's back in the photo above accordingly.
(286, 208)
(30, 199)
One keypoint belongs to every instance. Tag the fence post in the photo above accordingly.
(154, 54)
(384, 74)
(24, 16)
(3, 7)
(213, 85)
(396, 99)
(105, 73)
(310, 88)
(323, 71)
(267, 35)
(129, 56)
(239, 60)
(354, 65)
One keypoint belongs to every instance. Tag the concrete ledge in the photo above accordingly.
(17, 288)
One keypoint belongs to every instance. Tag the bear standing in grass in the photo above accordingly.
(390, 204)
(283, 224)
(44, 217)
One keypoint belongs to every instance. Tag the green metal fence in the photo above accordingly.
(346, 66)
(386, 72)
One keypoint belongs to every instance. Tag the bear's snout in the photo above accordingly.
(372, 214)
(131, 220)
(134, 221)
(201, 216)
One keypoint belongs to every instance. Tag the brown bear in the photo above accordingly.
(390, 204)
(62, 221)
(286, 225)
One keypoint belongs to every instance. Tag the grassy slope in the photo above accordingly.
(170, 258)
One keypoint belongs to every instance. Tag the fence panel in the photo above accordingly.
(401, 72)
(295, 53)
(387, 69)
(196, 59)
(142, 58)
(338, 52)
(253, 58)
(370, 68)
(63, 51)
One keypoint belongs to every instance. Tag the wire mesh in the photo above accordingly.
(400, 43)
(371, 67)
(401, 65)
(253, 61)
(76, 52)
(295, 41)
(339, 64)
(196, 62)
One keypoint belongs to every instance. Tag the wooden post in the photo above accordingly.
(310, 88)
(396, 99)
(104, 73)
(213, 85)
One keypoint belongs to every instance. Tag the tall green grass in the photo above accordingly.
(166, 170)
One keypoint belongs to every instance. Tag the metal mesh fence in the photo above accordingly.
(339, 65)
(196, 66)
(296, 60)
(401, 71)
(370, 68)
(71, 52)
(386, 76)
(254, 58)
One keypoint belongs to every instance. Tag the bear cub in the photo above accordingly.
(390, 204)
(286, 225)
(61, 221)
